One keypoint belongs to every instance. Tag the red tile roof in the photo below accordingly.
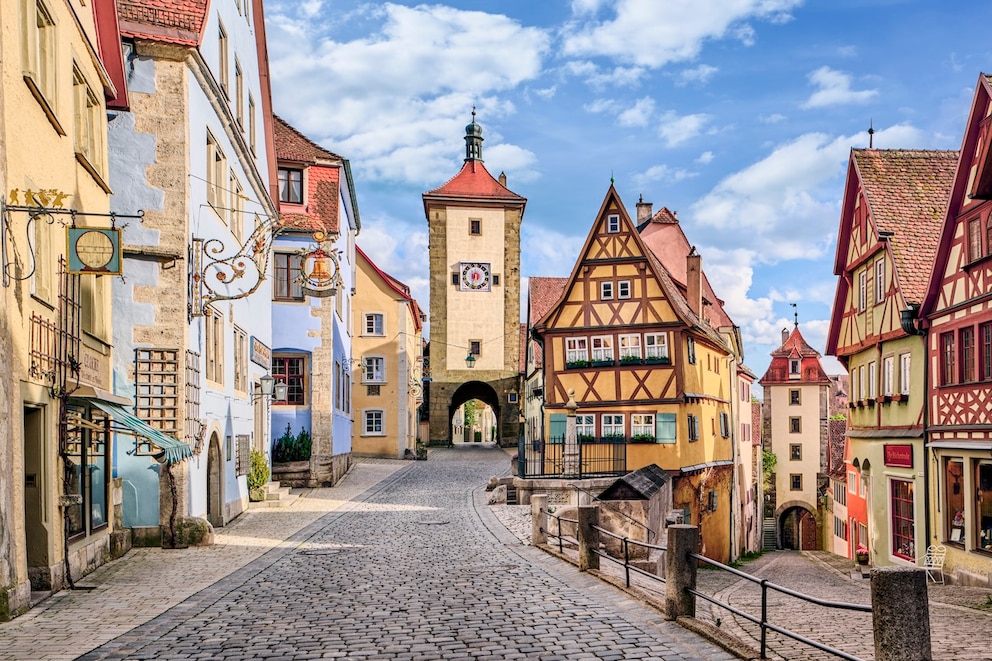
(291, 145)
(795, 346)
(474, 181)
(171, 21)
(542, 294)
(907, 193)
(402, 290)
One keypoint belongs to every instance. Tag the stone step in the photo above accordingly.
(511, 495)
(278, 494)
(285, 501)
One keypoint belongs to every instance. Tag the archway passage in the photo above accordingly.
(464, 395)
(797, 529)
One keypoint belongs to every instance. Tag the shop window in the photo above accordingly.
(86, 476)
(983, 506)
(954, 498)
(903, 528)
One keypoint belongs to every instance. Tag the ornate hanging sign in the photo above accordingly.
(94, 250)
(320, 268)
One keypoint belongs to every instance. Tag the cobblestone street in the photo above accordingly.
(403, 560)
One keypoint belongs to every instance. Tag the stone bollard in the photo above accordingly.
(588, 537)
(539, 519)
(901, 614)
(680, 571)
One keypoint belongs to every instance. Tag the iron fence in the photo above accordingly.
(606, 457)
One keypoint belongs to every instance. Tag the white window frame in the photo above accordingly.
(576, 348)
(606, 291)
(642, 423)
(369, 329)
(861, 383)
(613, 223)
(862, 290)
(879, 281)
(656, 345)
(872, 381)
(237, 206)
(623, 289)
(888, 375)
(602, 347)
(904, 373)
(613, 425)
(216, 173)
(585, 425)
(378, 418)
(630, 346)
(373, 369)
(852, 482)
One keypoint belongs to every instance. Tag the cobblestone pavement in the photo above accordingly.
(961, 624)
(415, 567)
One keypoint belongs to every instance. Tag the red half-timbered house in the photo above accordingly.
(891, 215)
(644, 367)
(957, 313)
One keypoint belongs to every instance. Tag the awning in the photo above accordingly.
(174, 450)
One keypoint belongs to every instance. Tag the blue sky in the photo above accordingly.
(737, 114)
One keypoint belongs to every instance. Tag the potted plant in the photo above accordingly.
(630, 360)
(861, 555)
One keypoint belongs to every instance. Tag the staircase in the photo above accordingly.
(768, 535)
(511, 494)
(275, 496)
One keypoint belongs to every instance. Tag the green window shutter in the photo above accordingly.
(665, 425)
(557, 431)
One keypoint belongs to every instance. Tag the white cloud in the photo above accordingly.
(602, 106)
(652, 34)
(546, 252)
(522, 163)
(700, 74)
(774, 118)
(745, 34)
(637, 115)
(661, 173)
(429, 64)
(400, 249)
(705, 158)
(676, 129)
(834, 89)
(598, 77)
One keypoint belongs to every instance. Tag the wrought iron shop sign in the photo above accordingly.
(94, 250)
(259, 353)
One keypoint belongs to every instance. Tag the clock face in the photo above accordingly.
(475, 276)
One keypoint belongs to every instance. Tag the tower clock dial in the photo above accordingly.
(475, 276)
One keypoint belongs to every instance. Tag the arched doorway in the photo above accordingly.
(797, 528)
(215, 483)
(483, 426)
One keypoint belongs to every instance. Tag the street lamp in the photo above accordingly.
(470, 360)
(268, 387)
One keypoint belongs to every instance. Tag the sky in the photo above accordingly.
(737, 114)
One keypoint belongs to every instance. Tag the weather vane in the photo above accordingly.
(795, 314)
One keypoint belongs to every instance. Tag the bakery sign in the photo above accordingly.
(898, 455)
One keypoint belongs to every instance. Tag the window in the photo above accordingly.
(475, 227)
(904, 373)
(374, 422)
(630, 346)
(475, 347)
(94, 293)
(840, 528)
(872, 381)
(213, 342)
(794, 367)
(374, 324)
(291, 370)
(585, 427)
(373, 391)
(690, 345)
(236, 211)
(642, 425)
(576, 348)
(862, 290)
(290, 186)
(251, 123)
(88, 132)
(375, 369)
(794, 397)
(852, 482)
(947, 358)
(666, 428)
(861, 382)
(606, 291)
(613, 224)
(724, 424)
(795, 425)
(879, 281)
(286, 269)
(656, 345)
(623, 289)
(967, 338)
(454, 278)
(216, 175)
(242, 453)
(222, 62)
(974, 239)
(157, 382)
(954, 494)
(613, 426)
(693, 423)
(602, 348)
(40, 58)
(982, 527)
(840, 492)
(985, 351)
(888, 375)
(903, 528)
(495, 279)
(240, 360)
(795, 482)
(86, 475)
(795, 452)
(239, 91)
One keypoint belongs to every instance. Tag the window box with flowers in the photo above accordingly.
(657, 360)
(630, 360)
(601, 363)
(576, 364)
(642, 438)
(861, 555)
(585, 438)
(613, 438)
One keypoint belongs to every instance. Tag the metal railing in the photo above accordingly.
(625, 543)
(614, 509)
(572, 541)
(596, 458)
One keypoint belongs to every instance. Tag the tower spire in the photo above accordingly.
(473, 140)
(795, 314)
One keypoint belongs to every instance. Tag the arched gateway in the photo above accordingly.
(475, 333)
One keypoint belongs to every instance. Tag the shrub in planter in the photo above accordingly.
(258, 475)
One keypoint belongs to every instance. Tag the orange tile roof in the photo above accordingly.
(171, 21)
(474, 181)
(907, 193)
(542, 295)
(291, 145)
(795, 346)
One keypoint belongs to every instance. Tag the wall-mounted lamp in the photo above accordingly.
(269, 388)
(470, 360)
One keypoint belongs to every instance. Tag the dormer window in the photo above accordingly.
(794, 368)
(291, 186)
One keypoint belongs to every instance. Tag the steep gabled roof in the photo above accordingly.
(169, 21)
(473, 181)
(291, 145)
(402, 291)
(542, 294)
(795, 347)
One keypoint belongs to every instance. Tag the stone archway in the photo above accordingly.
(468, 392)
(797, 527)
(215, 482)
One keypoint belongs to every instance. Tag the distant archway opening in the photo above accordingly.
(474, 415)
(797, 529)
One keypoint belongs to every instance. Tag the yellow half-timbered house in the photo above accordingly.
(646, 370)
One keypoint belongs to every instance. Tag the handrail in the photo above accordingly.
(651, 533)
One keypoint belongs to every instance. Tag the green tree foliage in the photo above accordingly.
(292, 448)
(258, 474)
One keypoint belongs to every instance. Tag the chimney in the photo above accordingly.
(694, 281)
(785, 335)
(502, 179)
(645, 210)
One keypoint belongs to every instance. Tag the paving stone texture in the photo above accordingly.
(402, 560)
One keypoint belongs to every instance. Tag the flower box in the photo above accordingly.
(642, 438)
(656, 360)
(576, 364)
(630, 360)
(601, 363)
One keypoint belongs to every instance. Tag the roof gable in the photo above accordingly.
(291, 145)
(795, 347)
(473, 181)
(170, 21)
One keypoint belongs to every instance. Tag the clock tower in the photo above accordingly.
(474, 228)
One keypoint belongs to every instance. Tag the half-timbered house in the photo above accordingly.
(957, 311)
(645, 368)
(890, 220)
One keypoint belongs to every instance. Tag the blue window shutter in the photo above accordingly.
(557, 431)
(665, 425)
